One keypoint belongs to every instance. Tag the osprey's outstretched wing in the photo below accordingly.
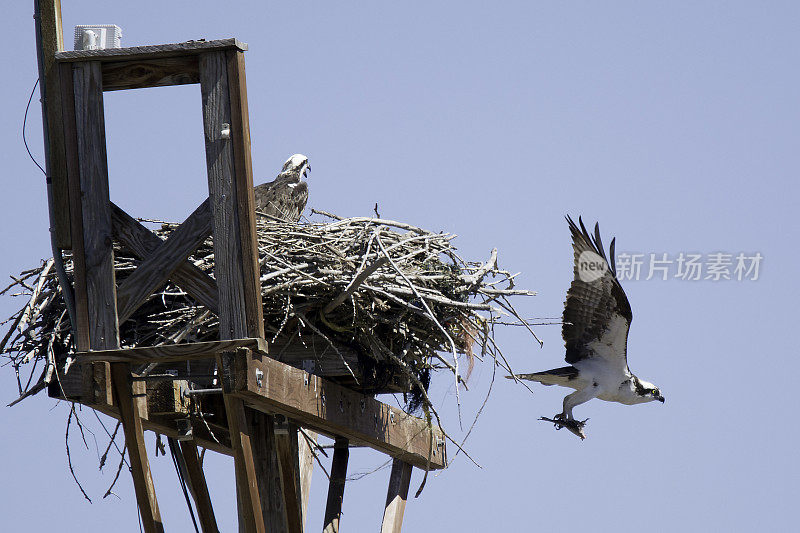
(597, 314)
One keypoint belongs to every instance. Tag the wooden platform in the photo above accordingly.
(273, 387)
(267, 391)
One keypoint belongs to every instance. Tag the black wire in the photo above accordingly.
(24, 121)
(174, 452)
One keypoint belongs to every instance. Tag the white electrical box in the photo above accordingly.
(97, 37)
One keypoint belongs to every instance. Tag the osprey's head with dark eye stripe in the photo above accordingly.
(647, 391)
(656, 394)
(297, 165)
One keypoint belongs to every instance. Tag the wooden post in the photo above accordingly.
(267, 471)
(99, 282)
(286, 448)
(84, 390)
(198, 487)
(333, 508)
(306, 439)
(396, 497)
(235, 260)
(52, 41)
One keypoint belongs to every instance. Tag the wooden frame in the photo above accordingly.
(257, 390)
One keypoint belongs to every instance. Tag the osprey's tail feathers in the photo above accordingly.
(556, 376)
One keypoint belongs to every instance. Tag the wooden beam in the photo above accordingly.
(222, 194)
(247, 488)
(156, 269)
(171, 352)
(142, 242)
(157, 51)
(52, 37)
(137, 452)
(315, 355)
(236, 306)
(396, 497)
(76, 220)
(159, 72)
(267, 470)
(196, 480)
(333, 507)
(97, 232)
(319, 404)
(243, 184)
(100, 282)
(286, 448)
(166, 426)
(306, 439)
(79, 382)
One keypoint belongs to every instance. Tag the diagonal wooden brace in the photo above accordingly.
(333, 508)
(396, 497)
(198, 487)
(143, 243)
(137, 451)
(156, 269)
(241, 431)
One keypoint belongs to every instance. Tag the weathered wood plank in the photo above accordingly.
(165, 398)
(100, 284)
(267, 471)
(159, 72)
(228, 269)
(136, 53)
(244, 464)
(222, 195)
(287, 451)
(52, 41)
(97, 232)
(142, 242)
(333, 507)
(166, 426)
(198, 487)
(76, 219)
(396, 498)
(171, 352)
(323, 406)
(305, 458)
(156, 269)
(137, 452)
(77, 384)
(243, 184)
(315, 355)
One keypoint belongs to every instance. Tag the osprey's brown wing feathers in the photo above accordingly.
(285, 198)
(597, 313)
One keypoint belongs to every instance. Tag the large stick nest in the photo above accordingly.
(397, 295)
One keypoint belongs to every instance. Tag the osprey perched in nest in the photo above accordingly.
(597, 316)
(285, 197)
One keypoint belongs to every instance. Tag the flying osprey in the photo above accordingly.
(597, 316)
(285, 197)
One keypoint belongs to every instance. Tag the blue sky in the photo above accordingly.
(673, 124)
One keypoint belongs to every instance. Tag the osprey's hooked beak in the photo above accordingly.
(660, 399)
(306, 170)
